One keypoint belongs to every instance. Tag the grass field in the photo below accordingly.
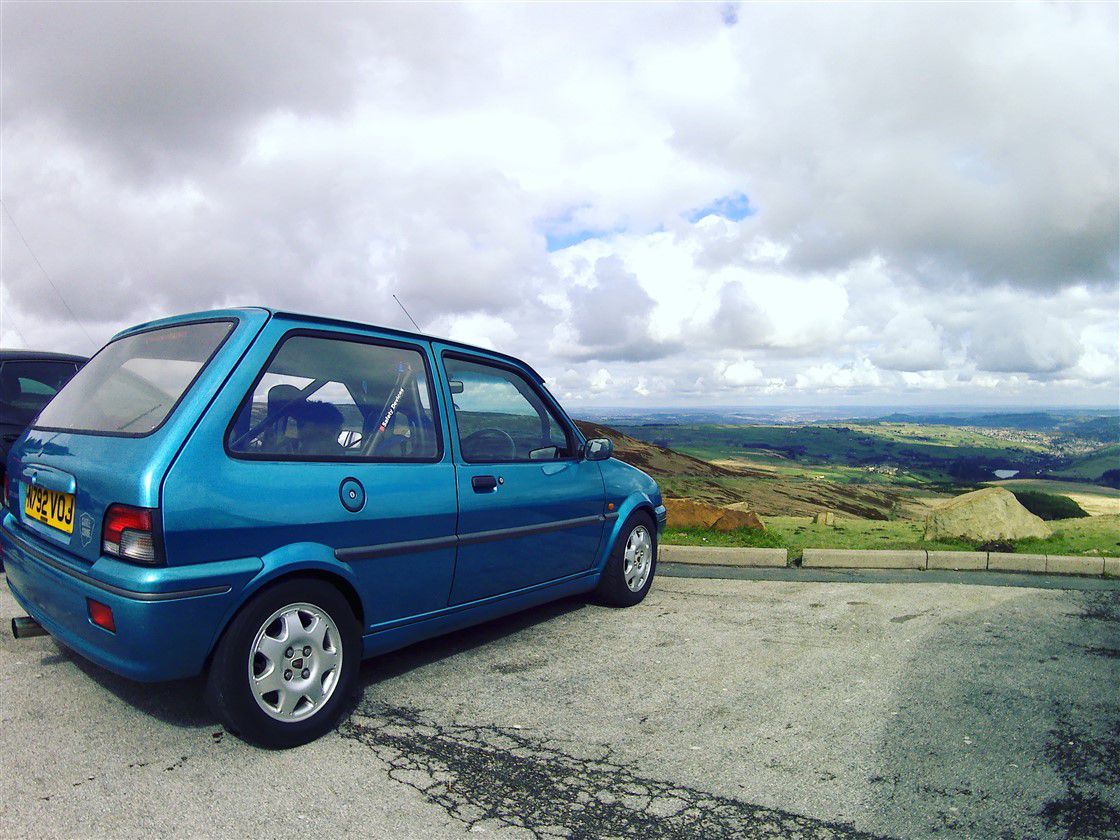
(916, 451)
(779, 465)
(1071, 536)
(881, 478)
(955, 437)
(1093, 465)
(1095, 499)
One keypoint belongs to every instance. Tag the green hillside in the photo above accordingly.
(1093, 465)
(1096, 535)
(937, 453)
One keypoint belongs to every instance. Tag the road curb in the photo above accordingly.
(702, 555)
(842, 558)
(913, 559)
(999, 561)
(1057, 564)
(957, 561)
(799, 574)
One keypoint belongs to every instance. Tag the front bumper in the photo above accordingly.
(167, 619)
(661, 515)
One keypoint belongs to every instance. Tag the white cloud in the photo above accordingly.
(857, 375)
(739, 373)
(933, 195)
(1037, 343)
(909, 342)
(601, 381)
(479, 329)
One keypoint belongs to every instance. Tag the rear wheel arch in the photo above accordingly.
(276, 697)
(345, 587)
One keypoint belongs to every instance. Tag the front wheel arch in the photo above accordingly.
(612, 589)
(627, 509)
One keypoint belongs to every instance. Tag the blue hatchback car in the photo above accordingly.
(269, 498)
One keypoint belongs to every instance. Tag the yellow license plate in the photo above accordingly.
(49, 507)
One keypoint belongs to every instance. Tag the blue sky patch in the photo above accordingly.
(564, 231)
(560, 239)
(735, 207)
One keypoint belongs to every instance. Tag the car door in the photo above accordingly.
(337, 442)
(531, 509)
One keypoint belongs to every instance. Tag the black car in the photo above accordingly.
(28, 380)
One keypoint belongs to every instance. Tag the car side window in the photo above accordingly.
(323, 398)
(501, 416)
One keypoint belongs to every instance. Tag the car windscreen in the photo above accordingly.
(132, 385)
(28, 385)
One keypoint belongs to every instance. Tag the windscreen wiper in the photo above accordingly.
(139, 416)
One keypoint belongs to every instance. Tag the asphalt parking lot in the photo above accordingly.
(718, 708)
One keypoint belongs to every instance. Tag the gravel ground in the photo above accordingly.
(717, 708)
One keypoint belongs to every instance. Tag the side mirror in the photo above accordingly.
(456, 385)
(598, 449)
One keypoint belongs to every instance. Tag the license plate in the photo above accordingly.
(49, 507)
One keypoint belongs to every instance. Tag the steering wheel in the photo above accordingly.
(500, 440)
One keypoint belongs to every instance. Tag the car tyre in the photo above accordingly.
(301, 637)
(630, 568)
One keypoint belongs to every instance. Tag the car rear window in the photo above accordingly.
(27, 386)
(132, 385)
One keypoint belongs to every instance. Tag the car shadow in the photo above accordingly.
(443, 647)
(181, 703)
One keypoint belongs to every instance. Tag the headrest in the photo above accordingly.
(278, 395)
(315, 411)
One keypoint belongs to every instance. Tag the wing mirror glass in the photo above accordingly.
(456, 385)
(598, 449)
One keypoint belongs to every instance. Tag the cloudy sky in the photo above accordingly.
(655, 205)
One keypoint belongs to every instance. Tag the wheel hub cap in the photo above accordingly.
(637, 558)
(295, 662)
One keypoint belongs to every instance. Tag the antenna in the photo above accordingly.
(401, 305)
(27, 245)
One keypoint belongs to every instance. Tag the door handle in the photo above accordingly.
(484, 483)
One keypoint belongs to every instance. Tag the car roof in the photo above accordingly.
(320, 319)
(39, 356)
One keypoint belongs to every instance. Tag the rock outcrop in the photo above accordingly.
(685, 513)
(984, 515)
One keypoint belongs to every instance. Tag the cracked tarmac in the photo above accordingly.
(491, 774)
(716, 709)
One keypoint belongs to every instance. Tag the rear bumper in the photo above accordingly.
(167, 619)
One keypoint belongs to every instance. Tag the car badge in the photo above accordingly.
(86, 529)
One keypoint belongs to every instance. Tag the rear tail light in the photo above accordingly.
(101, 615)
(130, 533)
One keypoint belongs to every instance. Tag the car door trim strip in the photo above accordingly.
(369, 552)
